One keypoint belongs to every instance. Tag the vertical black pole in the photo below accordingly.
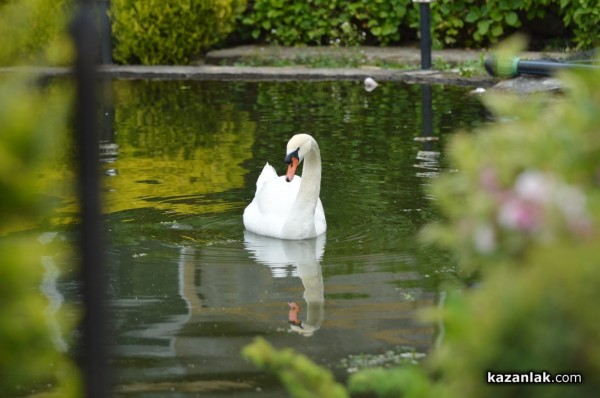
(93, 358)
(425, 14)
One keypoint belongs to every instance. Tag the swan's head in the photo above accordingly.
(297, 148)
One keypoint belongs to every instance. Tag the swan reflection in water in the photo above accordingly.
(305, 256)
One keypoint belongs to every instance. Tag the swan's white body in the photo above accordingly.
(288, 207)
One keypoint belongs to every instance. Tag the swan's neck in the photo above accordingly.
(311, 178)
(302, 216)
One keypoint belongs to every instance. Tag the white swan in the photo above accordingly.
(289, 207)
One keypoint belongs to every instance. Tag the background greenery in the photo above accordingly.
(33, 32)
(464, 23)
(175, 32)
(157, 32)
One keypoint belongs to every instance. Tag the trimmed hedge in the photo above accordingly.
(157, 32)
(467, 23)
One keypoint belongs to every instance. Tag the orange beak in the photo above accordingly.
(291, 171)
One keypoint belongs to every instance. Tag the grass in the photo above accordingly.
(349, 57)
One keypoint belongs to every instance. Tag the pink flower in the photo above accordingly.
(534, 186)
(520, 214)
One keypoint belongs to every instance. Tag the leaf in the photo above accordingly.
(512, 19)
(483, 27)
(473, 15)
(497, 30)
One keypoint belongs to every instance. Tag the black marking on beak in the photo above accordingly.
(289, 156)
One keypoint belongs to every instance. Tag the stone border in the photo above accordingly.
(399, 55)
(247, 73)
(521, 85)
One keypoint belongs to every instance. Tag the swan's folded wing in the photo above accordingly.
(267, 174)
(276, 198)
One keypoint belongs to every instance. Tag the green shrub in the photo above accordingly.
(44, 42)
(157, 32)
(584, 17)
(299, 375)
(467, 23)
(325, 22)
(477, 23)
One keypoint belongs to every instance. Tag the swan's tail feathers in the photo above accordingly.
(267, 174)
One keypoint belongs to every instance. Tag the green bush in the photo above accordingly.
(584, 17)
(44, 42)
(523, 184)
(157, 32)
(325, 22)
(467, 23)
(474, 23)
(300, 376)
(477, 23)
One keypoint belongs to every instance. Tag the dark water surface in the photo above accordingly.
(189, 288)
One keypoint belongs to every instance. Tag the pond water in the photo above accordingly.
(189, 288)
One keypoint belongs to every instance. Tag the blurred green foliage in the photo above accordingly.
(44, 41)
(522, 212)
(466, 23)
(155, 32)
(529, 180)
(33, 119)
(301, 377)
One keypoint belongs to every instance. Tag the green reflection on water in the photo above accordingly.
(193, 148)
(189, 154)
(176, 145)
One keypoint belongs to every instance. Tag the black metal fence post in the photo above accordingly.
(425, 15)
(93, 357)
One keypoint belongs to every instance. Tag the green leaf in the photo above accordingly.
(512, 19)
(496, 15)
(497, 30)
(483, 27)
(473, 15)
